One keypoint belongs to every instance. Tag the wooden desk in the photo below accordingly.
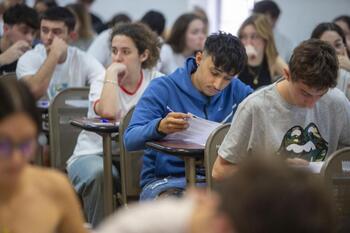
(189, 152)
(106, 131)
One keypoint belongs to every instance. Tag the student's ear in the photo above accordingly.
(144, 56)
(199, 57)
(73, 36)
(286, 74)
(6, 28)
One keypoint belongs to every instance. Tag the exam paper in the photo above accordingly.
(198, 131)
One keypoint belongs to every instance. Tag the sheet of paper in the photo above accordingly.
(198, 131)
(78, 103)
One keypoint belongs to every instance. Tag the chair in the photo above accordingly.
(11, 75)
(211, 150)
(336, 173)
(130, 163)
(67, 105)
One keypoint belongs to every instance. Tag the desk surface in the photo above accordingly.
(178, 148)
(95, 125)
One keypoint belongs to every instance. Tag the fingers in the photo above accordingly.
(174, 122)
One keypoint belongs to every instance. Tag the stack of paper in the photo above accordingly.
(198, 131)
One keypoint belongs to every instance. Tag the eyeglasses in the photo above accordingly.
(26, 147)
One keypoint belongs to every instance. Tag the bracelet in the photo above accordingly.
(111, 81)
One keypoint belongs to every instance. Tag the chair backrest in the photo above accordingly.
(211, 150)
(336, 172)
(130, 163)
(67, 105)
(11, 75)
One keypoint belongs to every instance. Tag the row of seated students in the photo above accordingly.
(206, 86)
(37, 199)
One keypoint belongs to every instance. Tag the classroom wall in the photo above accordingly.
(300, 17)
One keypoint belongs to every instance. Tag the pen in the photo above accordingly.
(169, 109)
(104, 120)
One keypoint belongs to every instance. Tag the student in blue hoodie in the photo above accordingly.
(207, 87)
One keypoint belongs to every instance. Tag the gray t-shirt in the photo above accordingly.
(265, 123)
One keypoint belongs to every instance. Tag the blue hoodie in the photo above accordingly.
(176, 92)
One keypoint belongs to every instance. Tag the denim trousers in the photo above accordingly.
(153, 189)
(86, 175)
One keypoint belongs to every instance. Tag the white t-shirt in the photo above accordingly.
(78, 70)
(100, 48)
(168, 215)
(90, 143)
(343, 82)
(169, 60)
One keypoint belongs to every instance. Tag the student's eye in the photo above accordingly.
(45, 30)
(215, 73)
(114, 51)
(228, 78)
(126, 52)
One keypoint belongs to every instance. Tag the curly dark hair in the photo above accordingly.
(315, 63)
(227, 52)
(143, 38)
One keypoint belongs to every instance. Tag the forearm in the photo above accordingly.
(40, 81)
(109, 103)
(222, 168)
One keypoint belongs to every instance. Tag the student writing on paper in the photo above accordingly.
(206, 86)
(301, 117)
(134, 54)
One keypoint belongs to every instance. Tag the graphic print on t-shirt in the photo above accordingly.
(305, 143)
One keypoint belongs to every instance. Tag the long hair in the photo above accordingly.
(264, 30)
(85, 29)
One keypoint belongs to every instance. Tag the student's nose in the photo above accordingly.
(118, 57)
(218, 83)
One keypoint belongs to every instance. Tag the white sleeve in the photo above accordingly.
(28, 64)
(100, 48)
(95, 74)
(168, 215)
(235, 145)
(166, 60)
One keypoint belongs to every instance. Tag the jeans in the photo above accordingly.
(86, 175)
(152, 190)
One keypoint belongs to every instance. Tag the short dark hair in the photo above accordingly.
(227, 52)
(62, 14)
(267, 7)
(315, 63)
(21, 13)
(267, 195)
(155, 20)
(177, 37)
(143, 38)
(15, 97)
(344, 18)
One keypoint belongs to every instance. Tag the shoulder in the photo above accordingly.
(150, 74)
(38, 51)
(260, 99)
(335, 99)
(50, 181)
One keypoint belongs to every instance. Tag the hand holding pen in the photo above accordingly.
(173, 122)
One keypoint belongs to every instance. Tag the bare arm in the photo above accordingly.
(40, 81)
(222, 168)
(109, 104)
